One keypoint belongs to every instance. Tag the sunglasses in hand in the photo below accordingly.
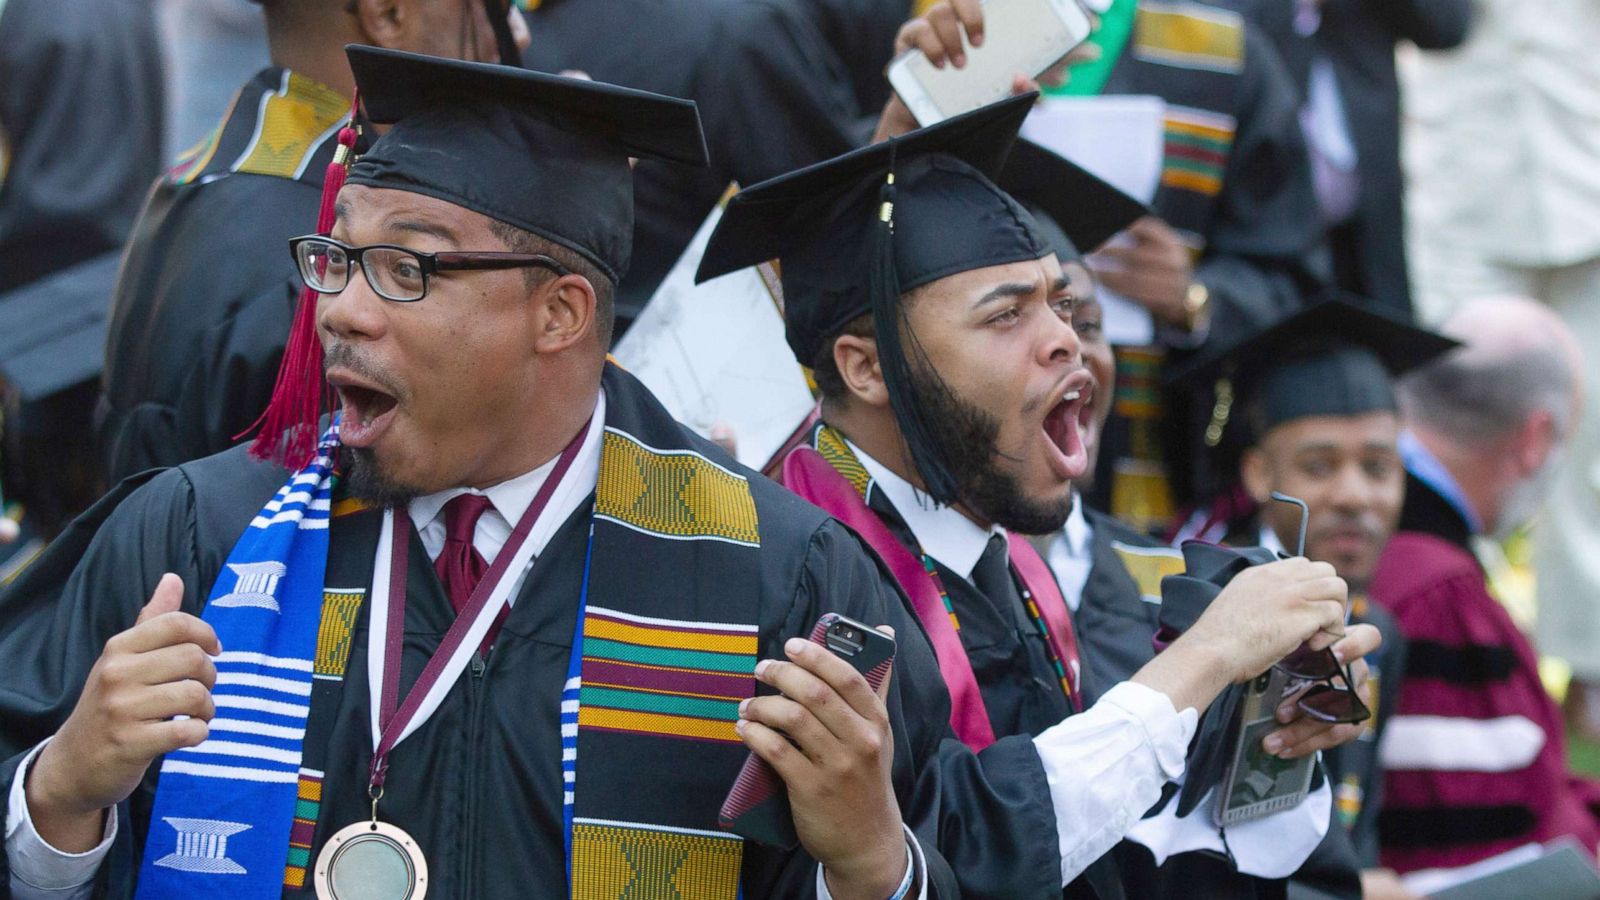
(1332, 696)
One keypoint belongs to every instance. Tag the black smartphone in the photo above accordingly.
(757, 807)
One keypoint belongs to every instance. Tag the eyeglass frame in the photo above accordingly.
(430, 263)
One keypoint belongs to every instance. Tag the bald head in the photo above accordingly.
(1519, 359)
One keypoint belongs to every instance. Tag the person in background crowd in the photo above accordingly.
(1317, 407)
(774, 96)
(1341, 54)
(82, 107)
(1504, 158)
(1475, 754)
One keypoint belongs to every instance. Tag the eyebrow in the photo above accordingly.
(1005, 292)
(428, 228)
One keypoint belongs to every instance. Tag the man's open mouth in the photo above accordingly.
(365, 410)
(1064, 425)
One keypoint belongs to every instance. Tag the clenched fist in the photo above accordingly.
(128, 716)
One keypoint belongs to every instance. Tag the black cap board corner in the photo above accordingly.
(545, 153)
(1068, 200)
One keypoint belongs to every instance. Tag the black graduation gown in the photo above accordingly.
(75, 74)
(1240, 194)
(81, 119)
(773, 97)
(1115, 630)
(479, 785)
(207, 291)
(1020, 689)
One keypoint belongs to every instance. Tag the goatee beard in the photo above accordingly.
(369, 482)
(967, 438)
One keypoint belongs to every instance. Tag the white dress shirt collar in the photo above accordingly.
(511, 498)
(943, 531)
(1070, 556)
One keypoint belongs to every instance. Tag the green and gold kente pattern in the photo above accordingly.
(673, 494)
(624, 861)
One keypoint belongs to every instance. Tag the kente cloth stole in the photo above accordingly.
(663, 657)
(665, 652)
(224, 809)
(827, 473)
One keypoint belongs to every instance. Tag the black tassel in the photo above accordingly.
(893, 331)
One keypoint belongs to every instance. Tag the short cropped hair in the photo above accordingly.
(521, 241)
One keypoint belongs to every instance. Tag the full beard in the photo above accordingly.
(369, 482)
(968, 439)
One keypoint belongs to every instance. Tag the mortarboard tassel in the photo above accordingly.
(288, 427)
(890, 325)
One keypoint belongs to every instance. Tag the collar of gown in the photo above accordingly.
(511, 498)
(943, 531)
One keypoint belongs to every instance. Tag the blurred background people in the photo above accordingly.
(1475, 754)
(81, 114)
(1504, 159)
(1341, 55)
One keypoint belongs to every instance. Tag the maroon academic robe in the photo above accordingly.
(1473, 675)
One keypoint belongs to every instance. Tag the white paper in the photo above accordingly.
(1432, 881)
(1122, 140)
(714, 354)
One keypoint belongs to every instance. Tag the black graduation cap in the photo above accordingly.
(1333, 358)
(854, 233)
(1075, 209)
(545, 153)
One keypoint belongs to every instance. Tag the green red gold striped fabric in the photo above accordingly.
(665, 677)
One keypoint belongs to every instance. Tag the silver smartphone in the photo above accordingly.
(1027, 36)
(1257, 783)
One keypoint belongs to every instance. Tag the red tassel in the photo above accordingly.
(287, 430)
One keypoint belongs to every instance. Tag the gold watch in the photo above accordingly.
(1196, 301)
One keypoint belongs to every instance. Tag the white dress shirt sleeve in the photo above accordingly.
(1273, 846)
(916, 868)
(38, 870)
(1106, 767)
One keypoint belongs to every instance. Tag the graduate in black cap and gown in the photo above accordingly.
(359, 711)
(204, 297)
(937, 317)
(1315, 418)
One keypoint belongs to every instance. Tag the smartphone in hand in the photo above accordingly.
(757, 807)
(1026, 36)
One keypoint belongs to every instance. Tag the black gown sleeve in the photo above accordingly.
(75, 74)
(773, 94)
(55, 619)
(1261, 256)
(90, 585)
(984, 822)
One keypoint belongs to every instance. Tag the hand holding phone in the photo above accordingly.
(962, 55)
(758, 805)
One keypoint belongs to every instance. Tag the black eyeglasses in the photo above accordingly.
(396, 273)
(1326, 700)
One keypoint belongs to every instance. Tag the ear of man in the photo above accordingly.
(855, 359)
(1255, 471)
(386, 23)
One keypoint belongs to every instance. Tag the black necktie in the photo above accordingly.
(992, 575)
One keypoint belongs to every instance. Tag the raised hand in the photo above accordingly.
(126, 718)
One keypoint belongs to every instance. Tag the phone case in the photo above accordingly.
(757, 806)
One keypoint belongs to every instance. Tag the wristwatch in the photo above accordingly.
(1196, 301)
